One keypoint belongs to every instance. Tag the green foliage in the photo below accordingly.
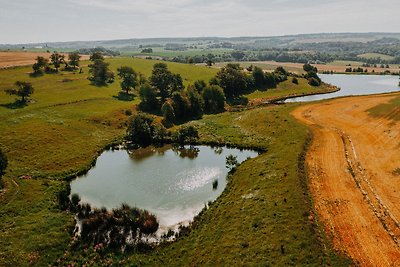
(313, 82)
(180, 104)
(143, 131)
(214, 99)
(165, 81)
(128, 77)
(119, 228)
(148, 96)
(232, 80)
(56, 60)
(74, 59)
(196, 103)
(100, 73)
(295, 80)
(24, 90)
(3, 162)
(168, 113)
(186, 134)
(231, 162)
(259, 77)
(96, 56)
(40, 65)
(200, 85)
(309, 68)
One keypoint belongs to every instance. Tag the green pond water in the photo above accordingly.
(174, 184)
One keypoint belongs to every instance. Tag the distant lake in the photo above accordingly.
(354, 85)
(174, 184)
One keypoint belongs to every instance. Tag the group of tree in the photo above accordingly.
(166, 94)
(311, 75)
(99, 71)
(358, 69)
(143, 130)
(118, 229)
(53, 64)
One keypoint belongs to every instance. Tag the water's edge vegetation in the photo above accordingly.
(263, 215)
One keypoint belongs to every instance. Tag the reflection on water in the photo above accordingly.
(173, 183)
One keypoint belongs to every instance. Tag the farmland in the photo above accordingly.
(69, 121)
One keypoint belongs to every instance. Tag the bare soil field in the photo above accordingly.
(352, 167)
(13, 59)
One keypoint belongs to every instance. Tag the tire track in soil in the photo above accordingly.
(349, 165)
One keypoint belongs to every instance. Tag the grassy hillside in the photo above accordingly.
(70, 122)
(375, 55)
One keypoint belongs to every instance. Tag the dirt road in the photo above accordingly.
(352, 165)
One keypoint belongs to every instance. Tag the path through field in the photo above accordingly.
(351, 166)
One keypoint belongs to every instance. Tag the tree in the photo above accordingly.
(308, 67)
(100, 73)
(180, 104)
(24, 90)
(199, 85)
(3, 162)
(295, 80)
(238, 55)
(232, 80)
(128, 77)
(143, 131)
(96, 56)
(57, 59)
(165, 81)
(258, 75)
(231, 162)
(214, 99)
(140, 129)
(74, 59)
(196, 103)
(40, 65)
(148, 95)
(168, 113)
(187, 134)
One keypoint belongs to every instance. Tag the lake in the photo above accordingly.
(174, 184)
(354, 85)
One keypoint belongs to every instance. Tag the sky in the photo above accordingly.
(31, 21)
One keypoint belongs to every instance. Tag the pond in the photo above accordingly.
(354, 85)
(172, 183)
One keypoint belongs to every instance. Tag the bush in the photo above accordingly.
(313, 82)
(295, 80)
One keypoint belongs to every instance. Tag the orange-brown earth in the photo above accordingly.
(12, 59)
(351, 166)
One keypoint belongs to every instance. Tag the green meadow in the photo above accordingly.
(264, 217)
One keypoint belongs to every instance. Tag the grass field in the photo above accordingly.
(161, 52)
(71, 121)
(376, 55)
(288, 89)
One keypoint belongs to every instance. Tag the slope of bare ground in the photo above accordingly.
(350, 166)
(12, 59)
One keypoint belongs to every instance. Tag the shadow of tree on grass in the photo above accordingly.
(123, 96)
(15, 105)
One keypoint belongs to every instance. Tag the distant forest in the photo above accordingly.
(378, 48)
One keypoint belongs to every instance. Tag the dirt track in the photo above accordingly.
(350, 166)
